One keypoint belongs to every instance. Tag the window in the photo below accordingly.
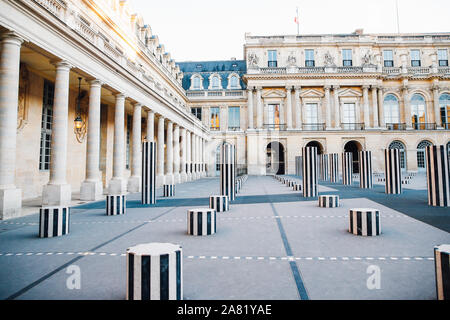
(274, 116)
(234, 118)
(196, 85)
(388, 58)
(391, 110)
(444, 103)
(421, 153)
(415, 58)
(442, 58)
(234, 82)
(399, 145)
(46, 126)
(197, 112)
(309, 58)
(129, 121)
(218, 160)
(349, 114)
(272, 61)
(418, 113)
(215, 121)
(347, 58)
(311, 113)
(215, 84)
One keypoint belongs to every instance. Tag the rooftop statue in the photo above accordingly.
(253, 59)
(329, 60)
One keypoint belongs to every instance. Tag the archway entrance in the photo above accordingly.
(354, 147)
(317, 145)
(421, 158)
(217, 162)
(275, 158)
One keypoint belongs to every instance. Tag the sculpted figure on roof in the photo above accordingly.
(252, 59)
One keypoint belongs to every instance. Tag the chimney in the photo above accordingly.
(233, 59)
(359, 31)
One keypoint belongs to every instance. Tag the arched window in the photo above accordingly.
(391, 110)
(399, 145)
(215, 82)
(418, 111)
(421, 153)
(444, 104)
(233, 82)
(196, 84)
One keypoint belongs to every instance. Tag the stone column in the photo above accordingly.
(437, 108)
(201, 156)
(366, 107)
(193, 157)
(160, 177)
(259, 110)
(289, 107)
(250, 108)
(150, 126)
(381, 107)
(134, 182)
(58, 192)
(328, 107)
(375, 107)
(118, 184)
(188, 156)
(169, 153)
(92, 187)
(337, 117)
(10, 196)
(298, 109)
(407, 108)
(183, 175)
(176, 154)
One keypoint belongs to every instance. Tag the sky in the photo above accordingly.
(195, 30)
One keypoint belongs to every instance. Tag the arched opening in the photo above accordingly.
(217, 165)
(421, 154)
(418, 112)
(354, 147)
(316, 144)
(399, 145)
(275, 158)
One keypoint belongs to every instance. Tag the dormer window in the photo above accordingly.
(196, 82)
(215, 82)
(234, 82)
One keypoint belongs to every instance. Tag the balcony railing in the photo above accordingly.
(214, 128)
(446, 126)
(314, 126)
(280, 127)
(234, 128)
(352, 126)
(215, 93)
(424, 126)
(396, 126)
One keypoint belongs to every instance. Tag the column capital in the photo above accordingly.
(120, 95)
(289, 88)
(336, 87)
(258, 88)
(365, 87)
(61, 64)
(95, 82)
(150, 111)
(435, 87)
(327, 87)
(12, 38)
(137, 105)
(297, 88)
(250, 88)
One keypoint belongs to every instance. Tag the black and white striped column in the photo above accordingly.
(442, 271)
(228, 171)
(201, 222)
(392, 170)
(168, 190)
(219, 203)
(364, 222)
(148, 173)
(365, 169)
(298, 166)
(297, 187)
(334, 167)
(53, 221)
(324, 169)
(116, 204)
(347, 168)
(309, 172)
(155, 272)
(328, 201)
(438, 176)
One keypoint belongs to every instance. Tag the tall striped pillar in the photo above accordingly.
(309, 171)
(324, 169)
(148, 173)
(442, 271)
(365, 169)
(298, 166)
(334, 167)
(228, 171)
(438, 176)
(393, 173)
(347, 168)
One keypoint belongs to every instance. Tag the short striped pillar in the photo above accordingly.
(324, 169)
(155, 272)
(442, 268)
(365, 169)
(201, 222)
(392, 170)
(228, 171)
(297, 187)
(238, 185)
(438, 176)
(364, 222)
(291, 183)
(148, 173)
(298, 166)
(219, 203)
(328, 201)
(116, 204)
(53, 221)
(334, 167)
(309, 172)
(168, 190)
(347, 168)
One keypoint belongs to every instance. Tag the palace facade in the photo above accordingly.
(83, 83)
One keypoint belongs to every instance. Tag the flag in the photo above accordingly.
(296, 20)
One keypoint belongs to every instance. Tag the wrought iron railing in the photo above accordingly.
(424, 126)
(352, 126)
(446, 126)
(396, 126)
(280, 127)
(313, 126)
(234, 128)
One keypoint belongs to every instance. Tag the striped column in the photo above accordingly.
(53, 221)
(219, 203)
(309, 172)
(227, 171)
(201, 222)
(347, 168)
(442, 268)
(438, 176)
(148, 173)
(155, 272)
(328, 201)
(116, 204)
(334, 167)
(364, 222)
(365, 169)
(392, 170)
(168, 190)
(324, 170)
(298, 166)
(297, 187)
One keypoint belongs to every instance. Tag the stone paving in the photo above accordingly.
(272, 244)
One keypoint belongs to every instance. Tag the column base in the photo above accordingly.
(177, 178)
(10, 203)
(183, 177)
(134, 184)
(91, 190)
(57, 195)
(117, 186)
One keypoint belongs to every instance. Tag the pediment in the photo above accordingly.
(311, 93)
(274, 94)
(349, 93)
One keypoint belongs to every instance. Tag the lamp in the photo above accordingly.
(80, 125)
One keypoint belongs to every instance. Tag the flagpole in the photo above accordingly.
(298, 25)
(398, 22)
